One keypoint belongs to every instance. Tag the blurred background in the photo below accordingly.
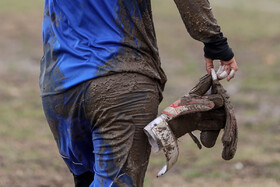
(28, 154)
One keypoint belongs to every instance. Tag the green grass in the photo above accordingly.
(12, 6)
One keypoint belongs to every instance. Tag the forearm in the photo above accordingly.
(198, 19)
(201, 24)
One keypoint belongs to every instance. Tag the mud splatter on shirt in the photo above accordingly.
(87, 39)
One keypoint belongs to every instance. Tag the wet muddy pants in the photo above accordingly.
(98, 127)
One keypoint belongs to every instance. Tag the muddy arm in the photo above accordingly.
(201, 24)
(198, 19)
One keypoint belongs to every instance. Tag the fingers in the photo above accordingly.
(216, 98)
(209, 65)
(187, 105)
(208, 138)
(214, 75)
(230, 67)
(227, 69)
(223, 73)
(220, 70)
(231, 75)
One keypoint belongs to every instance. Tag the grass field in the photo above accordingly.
(28, 154)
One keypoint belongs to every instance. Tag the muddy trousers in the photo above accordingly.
(98, 127)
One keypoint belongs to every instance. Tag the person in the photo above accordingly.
(101, 81)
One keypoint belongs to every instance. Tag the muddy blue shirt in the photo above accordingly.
(87, 39)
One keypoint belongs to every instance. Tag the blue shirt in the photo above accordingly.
(85, 39)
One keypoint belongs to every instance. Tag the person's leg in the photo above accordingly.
(119, 107)
(72, 131)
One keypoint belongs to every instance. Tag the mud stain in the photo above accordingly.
(119, 106)
(139, 51)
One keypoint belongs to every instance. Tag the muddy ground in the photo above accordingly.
(28, 154)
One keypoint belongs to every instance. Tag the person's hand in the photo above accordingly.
(227, 69)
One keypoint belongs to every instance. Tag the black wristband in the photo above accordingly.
(218, 49)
